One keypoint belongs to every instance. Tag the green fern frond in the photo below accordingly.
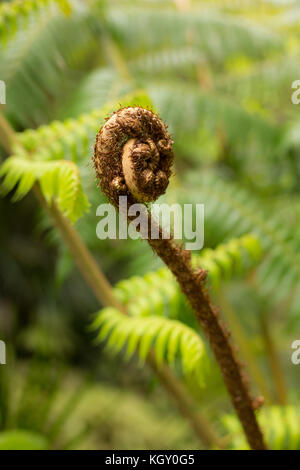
(59, 180)
(280, 426)
(167, 59)
(15, 14)
(36, 48)
(231, 210)
(187, 109)
(259, 83)
(53, 150)
(168, 338)
(101, 86)
(157, 293)
(72, 139)
(229, 259)
(216, 35)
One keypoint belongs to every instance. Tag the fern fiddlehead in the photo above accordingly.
(133, 158)
(142, 166)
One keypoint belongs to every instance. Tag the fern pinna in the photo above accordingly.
(155, 305)
(18, 12)
(280, 425)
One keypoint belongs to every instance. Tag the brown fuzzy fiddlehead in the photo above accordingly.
(133, 158)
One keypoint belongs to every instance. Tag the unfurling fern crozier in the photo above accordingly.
(133, 156)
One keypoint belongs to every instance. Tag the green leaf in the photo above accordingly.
(168, 338)
(157, 293)
(58, 180)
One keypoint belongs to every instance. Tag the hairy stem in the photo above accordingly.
(192, 285)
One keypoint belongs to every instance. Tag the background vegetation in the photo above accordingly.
(220, 74)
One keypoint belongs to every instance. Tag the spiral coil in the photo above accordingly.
(133, 156)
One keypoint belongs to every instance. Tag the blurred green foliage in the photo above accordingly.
(220, 74)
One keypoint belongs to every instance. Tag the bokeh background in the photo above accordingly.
(220, 74)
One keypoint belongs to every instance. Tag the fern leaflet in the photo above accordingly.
(59, 180)
(168, 338)
(12, 14)
(157, 293)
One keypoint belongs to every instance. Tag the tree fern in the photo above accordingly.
(168, 338)
(220, 75)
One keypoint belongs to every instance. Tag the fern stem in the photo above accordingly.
(133, 157)
(103, 291)
(192, 285)
(279, 382)
(242, 344)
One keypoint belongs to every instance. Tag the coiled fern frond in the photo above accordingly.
(168, 338)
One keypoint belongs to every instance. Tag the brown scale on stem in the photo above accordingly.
(133, 158)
